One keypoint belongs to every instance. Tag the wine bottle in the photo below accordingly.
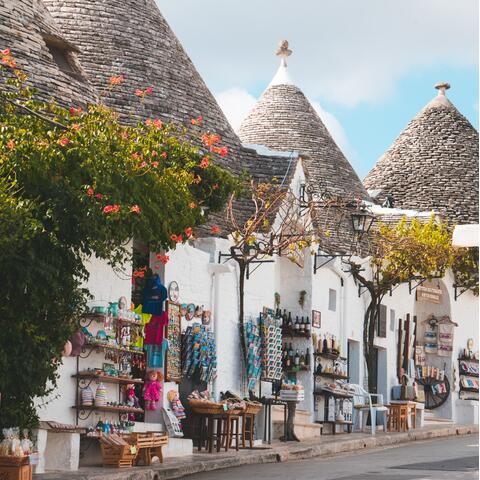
(308, 326)
(320, 344)
(297, 325)
(302, 360)
(290, 350)
(307, 357)
(302, 325)
(325, 344)
(290, 321)
(297, 359)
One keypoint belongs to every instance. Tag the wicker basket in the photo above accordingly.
(253, 408)
(205, 407)
(12, 461)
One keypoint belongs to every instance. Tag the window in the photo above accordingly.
(332, 300)
(382, 322)
(392, 320)
(62, 54)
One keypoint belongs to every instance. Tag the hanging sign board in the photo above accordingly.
(429, 294)
(173, 368)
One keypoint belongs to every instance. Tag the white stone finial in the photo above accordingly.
(442, 87)
(282, 77)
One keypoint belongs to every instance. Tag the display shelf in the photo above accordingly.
(473, 360)
(289, 332)
(106, 346)
(331, 375)
(469, 389)
(328, 356)
(109, 408)
(337, 422)
(106, 378)
(97, 317)
(294, 370)
(323, 391)
(467, 374)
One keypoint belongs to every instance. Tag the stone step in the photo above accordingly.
(304, 431)
(301, 416)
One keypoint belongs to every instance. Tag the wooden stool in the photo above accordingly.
(231, 428)
(397, 417)
(248, 425)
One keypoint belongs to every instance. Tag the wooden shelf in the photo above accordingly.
(329, 356)
(109, 408)
(322, 391)
(473, 360)
(105, 346)
(331, 375)
(107, 378)
(288, 332)
(99, 317)
(466, 374)
(301, 369)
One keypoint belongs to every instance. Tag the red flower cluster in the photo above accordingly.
(10, 144)
(197, 121)
(75, 111)
(64, 141)
(135, 209)
(176, 238)
(142, 93)
(222, 151)
(140, 273)
(215, 229)
(210, 139)
(163, 258)
(188, 232)
(111, 209)
(114, 80)
(204, 163)
(7, 58)
(192, 205)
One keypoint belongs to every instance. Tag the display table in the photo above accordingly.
(267, 425)
(402, 415)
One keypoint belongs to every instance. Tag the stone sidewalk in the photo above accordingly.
(277, 452)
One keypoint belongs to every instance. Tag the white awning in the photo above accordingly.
(465, 236)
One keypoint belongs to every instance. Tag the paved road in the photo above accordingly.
(451, 458)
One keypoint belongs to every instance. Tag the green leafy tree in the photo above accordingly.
(77, 183)
(398, 253)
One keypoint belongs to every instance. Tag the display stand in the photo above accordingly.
(468, 369)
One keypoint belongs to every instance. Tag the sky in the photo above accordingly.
(366, 66)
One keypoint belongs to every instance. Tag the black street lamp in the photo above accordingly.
(362, 220)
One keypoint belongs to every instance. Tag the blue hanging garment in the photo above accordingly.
(154, 294)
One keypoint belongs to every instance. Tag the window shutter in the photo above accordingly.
(382, 322)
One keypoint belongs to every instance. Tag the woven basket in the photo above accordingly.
(204, 407)
(253, 408)
(10, 460)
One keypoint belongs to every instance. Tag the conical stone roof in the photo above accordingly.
(28, 29)
(283, 119)
(132, 38)
(433, 164)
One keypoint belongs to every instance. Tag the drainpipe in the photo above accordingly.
(342, 307)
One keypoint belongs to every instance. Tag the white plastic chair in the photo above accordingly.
(363, 404)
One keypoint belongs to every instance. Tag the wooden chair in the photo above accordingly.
(248, 426)
(398, 417)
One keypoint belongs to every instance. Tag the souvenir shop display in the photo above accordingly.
(294, 327)
(190, 313)
(468, 369)
(206, 317)
(174, 427)
(87, 397)
(131, 400)
(434, 383)
(173, 292)
(176, 405)
(173, 368)
(101, 395)
(17, 455)
(152, 389)
(292, 392)
(326, 344)
(254, 348)
(295, 360)
(199, 353)
(271, 330)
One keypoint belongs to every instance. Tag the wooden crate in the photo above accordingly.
(16, 472)
(116, 452)
(149, 444)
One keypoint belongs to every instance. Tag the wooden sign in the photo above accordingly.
(429, 294)
(173, 363)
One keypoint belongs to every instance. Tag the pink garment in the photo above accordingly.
(152, 391)
(155, 328)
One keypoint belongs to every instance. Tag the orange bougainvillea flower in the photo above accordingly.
(223, 152)
(10, 144)
(116, 80)
(215, 186)
(204, 163)
(124, 134)
(155, 164)
(148, 90)
(76, 126)
(173, 237)
(215, 229)
(210, 139)
(197, 121)
(98, 196)
(163, 258)
(75, 110)
(143, 164)
(192, 205)
(158, 123)
(90, 192)
(135, 209)
(138, 92)
(188, 232)
(7, 58)
(164, 154)
(154, 153)
(64, 141)
(139, 273)
(6, 51)
(148, 122)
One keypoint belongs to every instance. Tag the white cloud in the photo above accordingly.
(236, 103)
(346, 51)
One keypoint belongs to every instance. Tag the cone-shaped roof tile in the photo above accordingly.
(433, 164)
(49, 60)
